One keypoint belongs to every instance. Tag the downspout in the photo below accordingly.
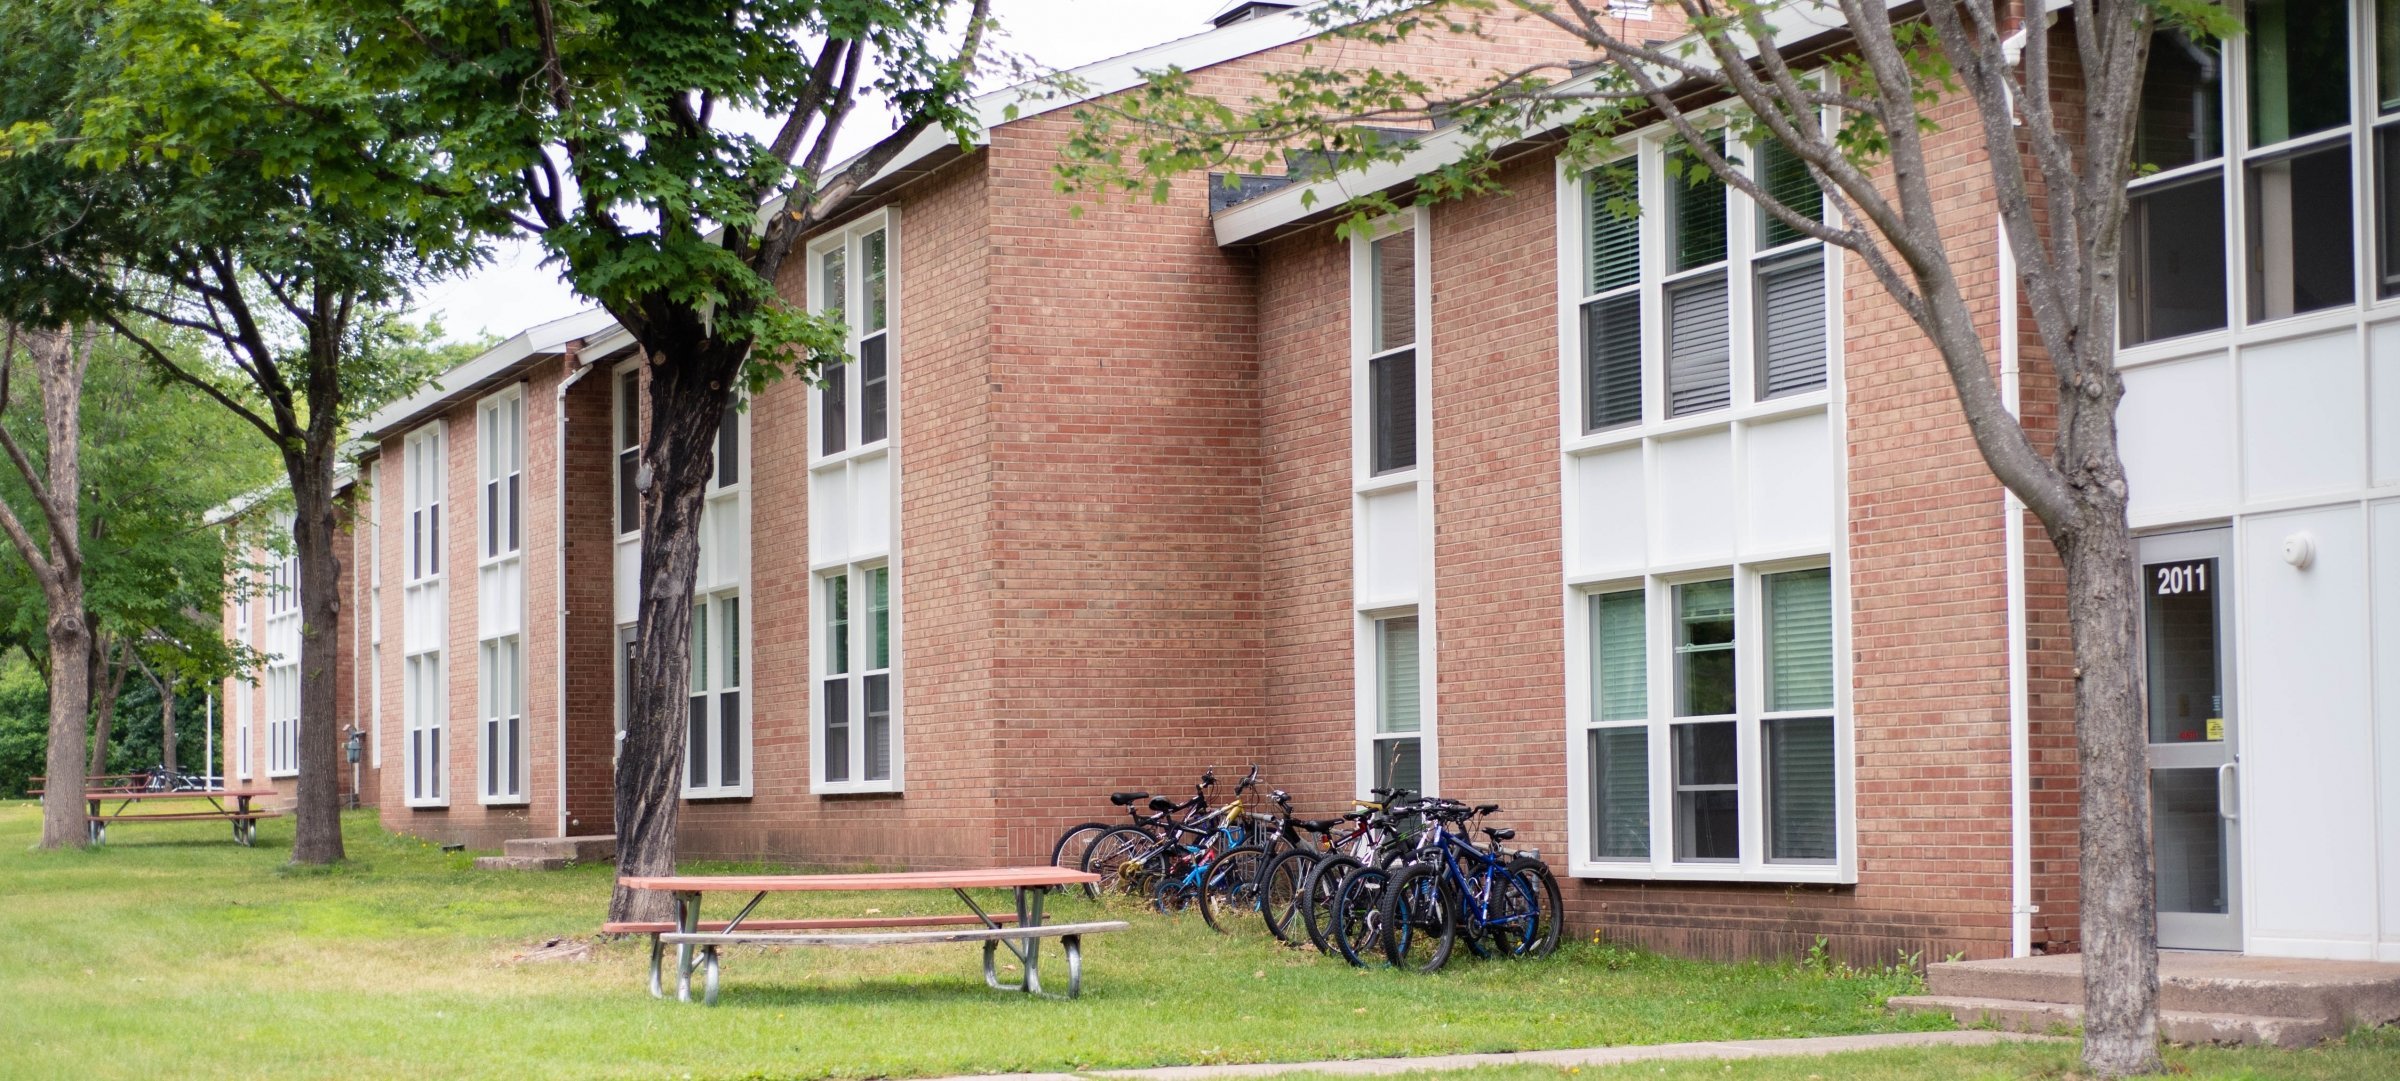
(558, 466)
(2020, 780)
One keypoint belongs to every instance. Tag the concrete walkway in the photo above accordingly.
(1588, 1056)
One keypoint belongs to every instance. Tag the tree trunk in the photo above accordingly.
(686, 405)
(64, 820)
(166, 723)
(317, 814)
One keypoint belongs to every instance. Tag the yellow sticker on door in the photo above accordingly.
(2216, 728)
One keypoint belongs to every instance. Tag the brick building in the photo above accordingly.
(1667, 534)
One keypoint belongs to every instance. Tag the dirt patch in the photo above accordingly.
(556, 949)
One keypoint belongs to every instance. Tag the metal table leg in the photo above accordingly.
(1029, 914)
(687, 920)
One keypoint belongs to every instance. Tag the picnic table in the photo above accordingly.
(242, 814)
(1021, 932)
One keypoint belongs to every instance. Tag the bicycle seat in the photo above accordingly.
(1161, 804)
(1499, 834)
(1318, 825)
(1127, 799)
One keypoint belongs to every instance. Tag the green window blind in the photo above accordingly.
(1620, 661)
(1620, 793)
(1613, 254)
(1786, 180)
(837, 624)
(879, 616)
(1398, 676)
(1800, 789)
(1800, 640)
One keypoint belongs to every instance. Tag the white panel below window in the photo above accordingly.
(1388, 547)
(2302, 417)
(2175, 430)
(871, 507)
(828, 516)
(1788, 486)
(500, 598)
(629, 579)
(1694, 499)
(2386, 614)
(2383, 411)
(2308, 773)
(1611, 530)
(426, 618)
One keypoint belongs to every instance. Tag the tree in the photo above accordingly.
(58, 357)
(1860, 116)
(603, 128)
(245, 187)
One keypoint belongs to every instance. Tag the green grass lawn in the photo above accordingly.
(172, 952)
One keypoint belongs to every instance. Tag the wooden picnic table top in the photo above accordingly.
(971, 879)
(188, 793)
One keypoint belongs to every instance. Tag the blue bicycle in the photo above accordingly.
(1505, 904)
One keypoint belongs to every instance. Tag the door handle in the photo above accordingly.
(2225, 789)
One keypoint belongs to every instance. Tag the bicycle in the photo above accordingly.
(1122, 855)
(1453, 886)
(1379, 832)
(1074, 846)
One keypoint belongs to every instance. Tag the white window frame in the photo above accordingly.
(500, 649)
(625, 458)
(851, 241)
(861, 651)
(239, 701)
(841, 475)
(723, 575)
(374, 674)
(1743, 258)
(425, 688)
(1365, 483)
(283, 661)
(1747, 409)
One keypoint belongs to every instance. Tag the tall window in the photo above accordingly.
(628, 428)
(854, 705)
(237, 710)
(1391, 354)
(374, 676)
(1399, 706)
(501, 768)
(283, 664)
(425, 692)
(854, 401)
(717, 752)
(1704, 668)
(1737, 294)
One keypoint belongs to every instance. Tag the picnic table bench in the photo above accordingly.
(242, 814)
(696, 943)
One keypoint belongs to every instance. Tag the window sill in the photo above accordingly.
(1370, 485)
(1771, 409)
(845, 457)
(1731, 874)
(707, 795)
(284, 775)
(427, 804)
(856, 788)
(504, 557)
(504, 801)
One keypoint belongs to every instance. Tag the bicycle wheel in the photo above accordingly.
(1072, 845)
(1229, 897)
(1419, 919)
(1549, 916)
(1358, 915)
(1510, 918)
(1316, 898)
(1121, 857)
(1279, 893)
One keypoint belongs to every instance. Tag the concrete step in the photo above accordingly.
(521, 863)
(2230, 984)
(2178, 1026)
(590, 849)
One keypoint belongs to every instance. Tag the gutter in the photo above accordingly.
(2020, 722)
(572, 355)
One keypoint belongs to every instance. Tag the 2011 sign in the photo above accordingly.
(2175, 579)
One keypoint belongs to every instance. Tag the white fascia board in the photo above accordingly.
(1280, 208)
(540, 340)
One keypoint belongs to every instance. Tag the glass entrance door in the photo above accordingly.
(2186, 643)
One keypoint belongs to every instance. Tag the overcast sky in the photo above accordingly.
(516, 291)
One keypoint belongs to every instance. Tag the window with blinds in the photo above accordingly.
(858, 735)
(1736, 303)
(714, 751)
(1612, 308)
(1749, 779)
(1391, 356)
(1399, 720)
